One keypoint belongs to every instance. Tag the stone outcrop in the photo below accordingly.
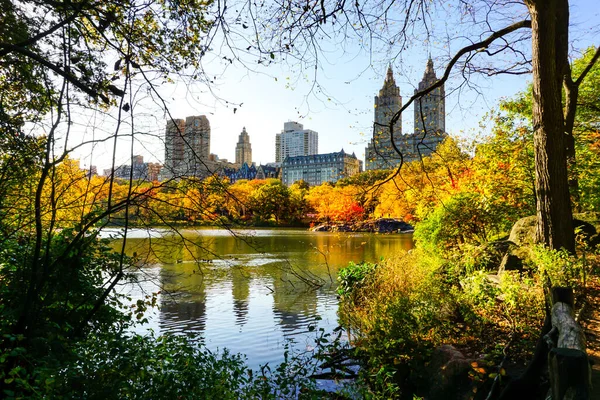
(523, 231)
(522, 235)
(448, 376)
(382, 225)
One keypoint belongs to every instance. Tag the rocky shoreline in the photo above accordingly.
(381, 225)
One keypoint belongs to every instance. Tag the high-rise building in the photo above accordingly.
(187, 147)
(430, 124)
(197, 146)
(294, 141)
(380, 153)
(318, 168)
(243, 149)
(430, 115)
(174, 147)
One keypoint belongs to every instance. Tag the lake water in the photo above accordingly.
(244, 290)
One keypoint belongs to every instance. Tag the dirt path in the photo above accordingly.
(591, 322)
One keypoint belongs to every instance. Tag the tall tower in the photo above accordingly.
(197, 145)
(243, 149)
(380, 153)
(430, 115)
(294, 140)
(174, 148)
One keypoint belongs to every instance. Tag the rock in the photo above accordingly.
(390, 225)
(592, 218)
(490, 255)
(585, 232)
(510, 262)
(383, 225)
(523, 231)
(448, 373)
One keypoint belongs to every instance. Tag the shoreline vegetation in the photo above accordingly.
(378, 225)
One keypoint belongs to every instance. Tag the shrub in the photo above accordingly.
(560, 268)
(353, 276)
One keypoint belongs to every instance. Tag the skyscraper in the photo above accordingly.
(174, 147)
(243, 149)
(187, 147)
(430, 115)
(197, 149)
(294, 140)
(380, 153)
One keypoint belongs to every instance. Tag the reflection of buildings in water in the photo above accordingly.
(183, 316)
(179, 313)
(290, 321)
(240, 291)
(292, 305)
(240, 309)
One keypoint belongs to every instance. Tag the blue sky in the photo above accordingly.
(341, 108)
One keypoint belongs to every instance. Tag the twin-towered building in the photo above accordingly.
(187, 148)
(429, 124)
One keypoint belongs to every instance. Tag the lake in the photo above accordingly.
(251, 291)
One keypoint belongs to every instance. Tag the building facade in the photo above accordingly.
(267, 172)
(430, 115)
(246, 171)
(187, 148)
(197, 146)
(243, 149)
(318, 168)
(174, 147)
(380, 153)
(294, 141)
(429, 122)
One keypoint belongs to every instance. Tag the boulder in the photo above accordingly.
(523, 231)
(510, 262)
(448, 375)
(490, 255)
(592, 218)
(585, 232)
(390, 225)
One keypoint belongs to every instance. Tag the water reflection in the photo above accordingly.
(242, 292)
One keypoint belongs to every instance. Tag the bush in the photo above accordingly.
(353, 276)
(148, 367)
(398, 311)
(559, 267)
(463, 218)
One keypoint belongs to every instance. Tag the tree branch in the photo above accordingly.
(69, 77)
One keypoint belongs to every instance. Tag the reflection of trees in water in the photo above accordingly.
(292, 306)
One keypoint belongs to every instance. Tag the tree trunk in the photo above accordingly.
(549, 20)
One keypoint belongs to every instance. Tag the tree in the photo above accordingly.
(53, 65)
(271, 201)
(497, 34)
